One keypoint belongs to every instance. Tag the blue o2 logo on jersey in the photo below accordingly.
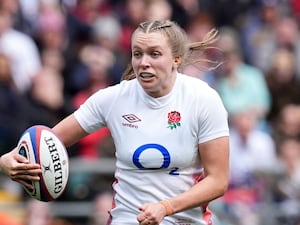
(160, 148)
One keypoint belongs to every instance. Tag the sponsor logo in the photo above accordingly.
(58, 173)
(131, 118)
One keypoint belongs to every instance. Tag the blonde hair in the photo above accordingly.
(178, 41)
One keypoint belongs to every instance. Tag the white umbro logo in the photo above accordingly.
(131, 118)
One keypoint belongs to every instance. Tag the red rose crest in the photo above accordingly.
(174, 119)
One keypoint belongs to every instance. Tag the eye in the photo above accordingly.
(137, 54)
(155, 54)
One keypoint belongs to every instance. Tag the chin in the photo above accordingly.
(147, 85)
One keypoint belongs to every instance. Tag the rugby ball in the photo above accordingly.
(40, 145)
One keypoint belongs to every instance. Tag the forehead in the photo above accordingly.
(148, 40)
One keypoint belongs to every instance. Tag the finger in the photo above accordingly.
(32, 174)
(27, 174)
(27, 177)
(146, 222)
(26, 183)
(28, 167)
(141, 217)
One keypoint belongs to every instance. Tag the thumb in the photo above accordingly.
(20, 158)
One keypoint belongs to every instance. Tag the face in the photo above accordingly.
(153, 63)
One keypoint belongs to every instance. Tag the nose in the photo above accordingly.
(144, 62)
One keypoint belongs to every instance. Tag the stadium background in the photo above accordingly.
(56, 53)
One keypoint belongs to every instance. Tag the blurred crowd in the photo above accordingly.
(55, 53)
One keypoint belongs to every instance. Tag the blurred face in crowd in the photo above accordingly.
(159, 10)
(153, 62)
(135, 10)
(5, 21)
(244, 122)
(290, 153)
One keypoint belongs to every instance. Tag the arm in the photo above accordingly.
(69, 131)
(215, 159)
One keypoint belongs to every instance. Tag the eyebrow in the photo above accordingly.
(151, 47)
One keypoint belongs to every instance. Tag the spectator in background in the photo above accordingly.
(227, 12)
(179, 14)
(288, 36)
(283, 34)
(53, 60)
(12, 121)
(47, 102)
(287, 180)
(106, 32)
(199, 25)
(158, 10)
(282, 82)
(131, 14)
(96, 63)
(287, 124)
(191, 7)
(87, 11)
(21, 50)
(78, 34)
(46, 98)
(50, 29)
(257, 29)
(241, 86)
(19, 21)
(30, 10)
(252, 152)
(247, 156)
(51, 35)
(91, 23)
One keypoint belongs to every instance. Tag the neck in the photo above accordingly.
(165, 88)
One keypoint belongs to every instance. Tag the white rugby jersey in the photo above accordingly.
(156, 142)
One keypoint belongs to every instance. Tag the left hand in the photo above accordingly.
(19, 169)
(151, 214)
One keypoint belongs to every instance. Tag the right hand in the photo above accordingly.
(151, 213)
(19, 169)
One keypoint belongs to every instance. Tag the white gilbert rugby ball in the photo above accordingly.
(40, 145)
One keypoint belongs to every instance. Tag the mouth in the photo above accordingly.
(146, 75)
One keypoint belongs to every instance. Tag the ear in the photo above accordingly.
(177, 60)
